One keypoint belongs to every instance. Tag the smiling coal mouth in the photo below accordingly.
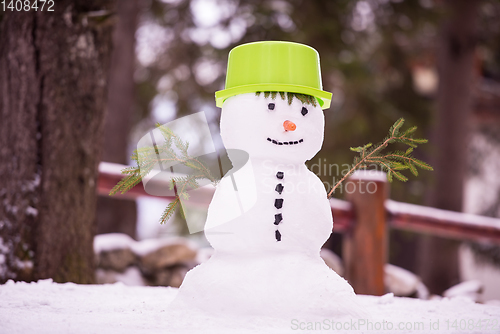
(285, 142)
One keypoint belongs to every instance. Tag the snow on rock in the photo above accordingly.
(158, 253)
(114, 251)
(112, 241)
(47, 307)
(470, 289)
(400, 281)
(165, 262)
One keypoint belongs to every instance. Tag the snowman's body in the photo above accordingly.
(293, 208)
(267, 237)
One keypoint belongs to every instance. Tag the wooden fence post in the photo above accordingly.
(364, 247)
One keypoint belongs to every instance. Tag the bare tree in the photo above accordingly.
(53, 71)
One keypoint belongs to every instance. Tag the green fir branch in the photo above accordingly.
(393, 162)
(170, 209)
(172, 151)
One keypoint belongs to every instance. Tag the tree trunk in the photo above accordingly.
(53, 71)
(438, 260)
(119, 215)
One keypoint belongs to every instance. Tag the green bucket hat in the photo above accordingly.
(274, 66)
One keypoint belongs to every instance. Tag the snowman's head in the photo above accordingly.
(284, 127)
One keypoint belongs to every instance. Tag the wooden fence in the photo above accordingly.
(363, 219)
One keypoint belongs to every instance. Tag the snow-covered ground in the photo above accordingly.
(47, 307)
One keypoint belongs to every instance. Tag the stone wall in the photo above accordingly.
(162, 262)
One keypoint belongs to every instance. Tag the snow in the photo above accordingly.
(110, 168)
(341, 204)
(31, 211)
(150, 245)
(4, 249)
(111, 241)
(401, 281)
(439, 214)
(471, 289)
(27, 264)
(47, 307)
(369, 175)
(487, 274)
(388, 298)
(114, 241)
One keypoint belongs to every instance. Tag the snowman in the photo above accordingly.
(268, 220)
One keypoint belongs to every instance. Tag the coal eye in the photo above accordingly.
(304, 111)
(271, 106)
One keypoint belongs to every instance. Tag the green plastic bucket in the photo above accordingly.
(274, 66)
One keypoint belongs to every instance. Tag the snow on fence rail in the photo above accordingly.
(363, 220)
(449, 224)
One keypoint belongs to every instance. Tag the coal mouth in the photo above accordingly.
(276, 142)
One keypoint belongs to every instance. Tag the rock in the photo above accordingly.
(162, 262)
(158, 254)
(161, 278)
(178, 274)
(103, 276)
(118, 260)
(332, 260)
(112, 241)
(470, 289)
(171, 276)
(403, 283)
(113, 251)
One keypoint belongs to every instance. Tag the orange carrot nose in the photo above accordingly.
(289, 126)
